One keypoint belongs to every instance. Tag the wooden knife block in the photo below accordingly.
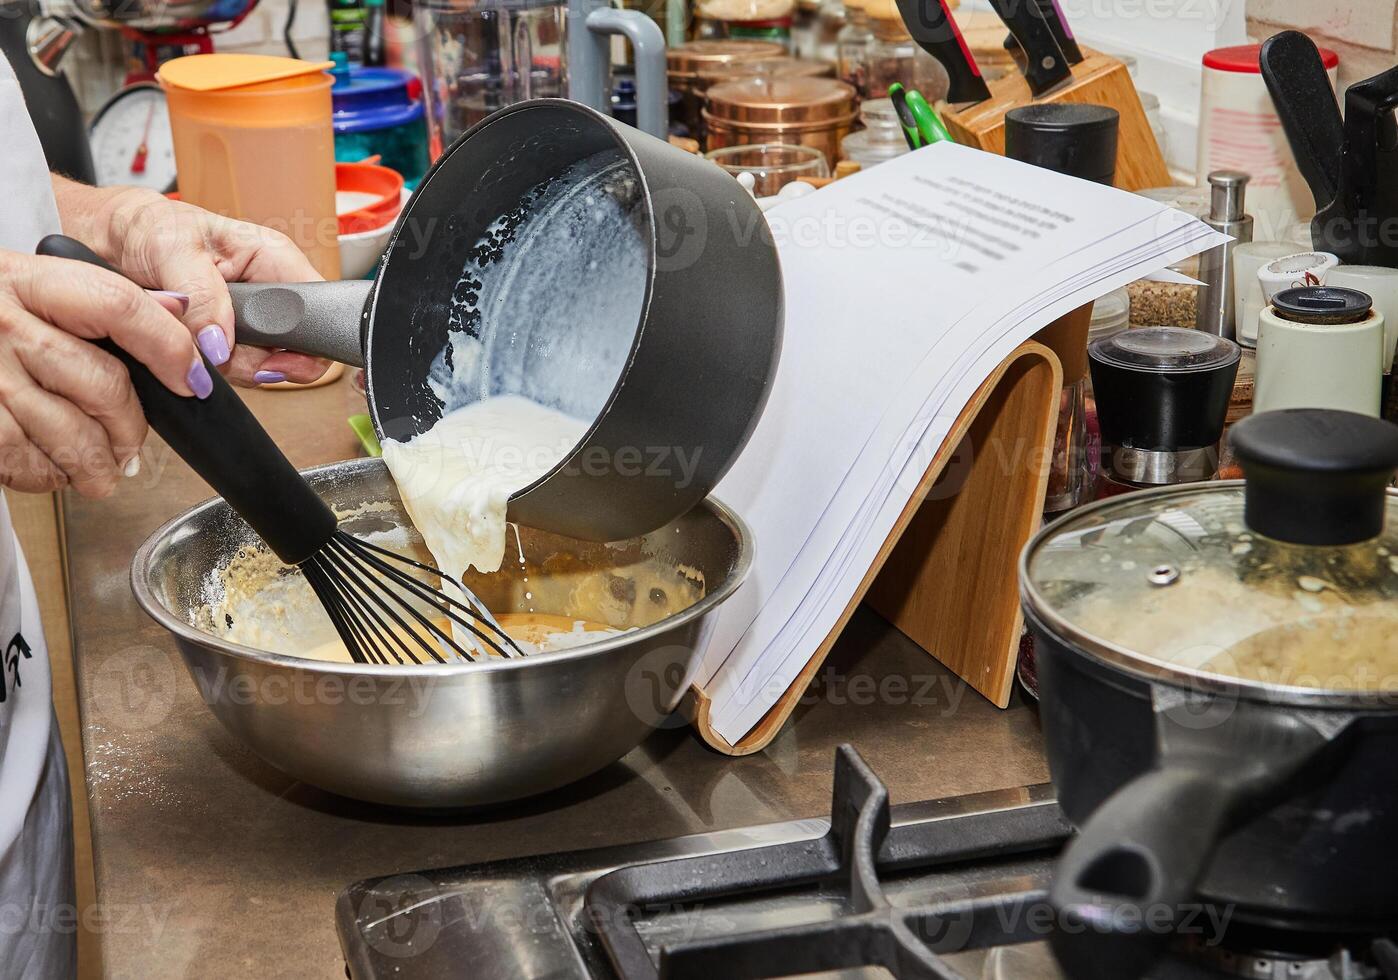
(947, 576)
(1098, 79)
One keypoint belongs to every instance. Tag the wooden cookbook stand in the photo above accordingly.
(1099, 79)
(947, 575)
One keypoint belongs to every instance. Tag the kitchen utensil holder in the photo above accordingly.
(1098, 79)
(946, 575)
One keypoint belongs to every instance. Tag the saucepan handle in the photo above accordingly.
(1125, 883)
(319, 318)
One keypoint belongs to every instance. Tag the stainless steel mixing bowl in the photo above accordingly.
(442, 736)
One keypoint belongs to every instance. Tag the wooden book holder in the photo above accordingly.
(947, 575)
(1099, 79)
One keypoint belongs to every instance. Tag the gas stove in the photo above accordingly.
(945, 889)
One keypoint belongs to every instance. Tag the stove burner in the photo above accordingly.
(857, 847)
(947, 889)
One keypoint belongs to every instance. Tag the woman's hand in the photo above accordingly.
(68, 413)
(189, 255)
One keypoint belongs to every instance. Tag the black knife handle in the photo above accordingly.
(224, 443)
(1045, 63)
(1052, 15)
(934, 29)
(1310, 116)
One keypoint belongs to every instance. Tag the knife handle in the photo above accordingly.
(1300, 88)
(1052, 15)
(934, 29)
(1045, 64)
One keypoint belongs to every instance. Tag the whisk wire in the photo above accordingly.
(447, 605)
(359, 587)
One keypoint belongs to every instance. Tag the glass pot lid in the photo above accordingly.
(1286, 581)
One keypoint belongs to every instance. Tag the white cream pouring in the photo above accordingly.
(457, 477)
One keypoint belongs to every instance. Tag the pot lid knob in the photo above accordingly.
(1315, 476)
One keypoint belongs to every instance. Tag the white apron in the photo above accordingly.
(37, 913)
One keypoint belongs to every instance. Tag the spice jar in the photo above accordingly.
(815, 112)
(761, 20)
(893, 56)
(881, 138)
(816, 30)
(685, 62)
(853, 46)
(1171, 304)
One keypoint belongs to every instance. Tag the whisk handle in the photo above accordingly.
(225, 444)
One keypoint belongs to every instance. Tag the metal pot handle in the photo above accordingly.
(590, 27)
(1124, 885)
(319, 318)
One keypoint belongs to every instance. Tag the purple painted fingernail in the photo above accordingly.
(199, 381)
(213, 344)
(268, 377)
(180, 298)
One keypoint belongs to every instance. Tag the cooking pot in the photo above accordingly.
(668, 347)
(440, 735)
(1219, 716)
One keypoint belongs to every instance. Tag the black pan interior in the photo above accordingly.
(493, 170)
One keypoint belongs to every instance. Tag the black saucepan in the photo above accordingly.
(671, 351)
(1202, 798)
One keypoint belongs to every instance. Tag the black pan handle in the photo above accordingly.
(320, 318)
(225, 444)
(1305, 103)
(1124, 884)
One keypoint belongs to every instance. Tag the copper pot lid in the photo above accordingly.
(785, 100)
(687, 59)
(765, 68)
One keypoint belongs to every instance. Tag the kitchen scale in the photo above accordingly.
(131, 139)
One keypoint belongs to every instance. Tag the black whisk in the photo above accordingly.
(377, 599)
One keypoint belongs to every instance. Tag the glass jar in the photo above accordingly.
(853, 46)
(895, 57)
(771, 165)
(481, 55)
(752, 20)
(881, 138)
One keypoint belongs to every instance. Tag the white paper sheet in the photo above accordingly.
(905, 286)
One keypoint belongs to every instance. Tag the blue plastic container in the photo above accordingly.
(379, 110)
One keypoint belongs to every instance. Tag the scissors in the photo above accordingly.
(920, 122)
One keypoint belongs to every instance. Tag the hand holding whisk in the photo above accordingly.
(377, 599)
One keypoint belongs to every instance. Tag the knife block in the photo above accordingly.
(947, 576)
(1098, 79)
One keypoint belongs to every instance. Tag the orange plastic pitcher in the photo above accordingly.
(253, 140)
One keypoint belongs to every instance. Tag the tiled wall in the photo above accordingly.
(1361, 31)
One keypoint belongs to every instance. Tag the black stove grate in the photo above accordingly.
(858, 848)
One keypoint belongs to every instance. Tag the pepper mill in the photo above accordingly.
(1226, 214)
(1162, 398)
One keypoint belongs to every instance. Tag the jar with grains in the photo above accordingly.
(853, 46)
(1170, 304)
(895, 57)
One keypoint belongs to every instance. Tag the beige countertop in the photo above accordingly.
(210, 863)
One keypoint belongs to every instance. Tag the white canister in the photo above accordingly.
(1319, 348)
(1248, 301)
(1294, 271)
(1381, 283)
(1239, 130)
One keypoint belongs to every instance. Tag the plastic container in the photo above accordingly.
(378, 111)
(261, 152)
(881, 138)
(1239, 130)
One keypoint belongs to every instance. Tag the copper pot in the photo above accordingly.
(816, 112)
(685, 63)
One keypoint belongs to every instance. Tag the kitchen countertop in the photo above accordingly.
(210, 863)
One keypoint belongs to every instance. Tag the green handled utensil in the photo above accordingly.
(921, 124)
